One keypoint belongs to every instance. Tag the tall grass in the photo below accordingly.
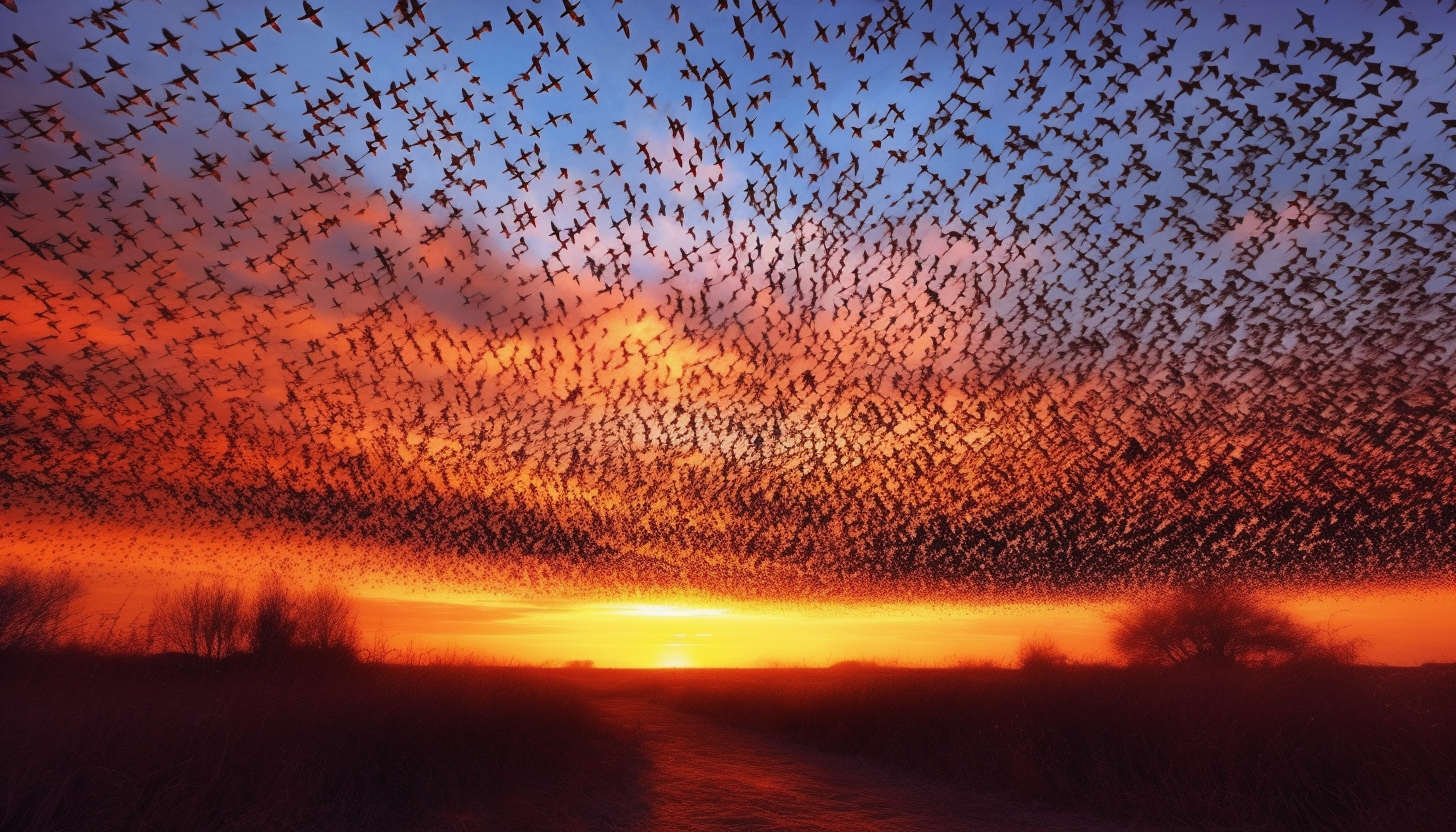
(113, 743)
(261, 717)
(1297, 748)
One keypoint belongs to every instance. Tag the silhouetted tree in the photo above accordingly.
(202, 619)
(36, 608)
(273, 625)
(1215, 626)
(327, 622)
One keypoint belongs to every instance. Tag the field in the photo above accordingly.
(161, 742)
(1298, 748)
(92, 743)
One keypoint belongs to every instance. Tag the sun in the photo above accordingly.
(675, 658)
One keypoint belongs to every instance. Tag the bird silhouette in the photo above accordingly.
(1046, 298)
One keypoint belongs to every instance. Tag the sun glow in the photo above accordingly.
(675, 659)
(668, 611)
(1401, 626)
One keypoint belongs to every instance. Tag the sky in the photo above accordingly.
(732, 306)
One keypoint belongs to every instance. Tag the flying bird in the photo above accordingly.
(934, 299)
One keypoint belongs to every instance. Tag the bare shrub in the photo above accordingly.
(380, 649)
(37, 609)
(273, 624)
(1040, 653)
(328, 623)
(1328, 645)
(1208, 625)
(119, 632)
(202, 619)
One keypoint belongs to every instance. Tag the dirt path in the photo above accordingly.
(707, 776)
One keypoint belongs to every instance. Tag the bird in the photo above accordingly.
(311, 14)
(944, 299)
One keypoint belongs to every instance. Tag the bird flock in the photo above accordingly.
(748, 297)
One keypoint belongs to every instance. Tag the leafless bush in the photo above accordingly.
(1214, 626)
(1328, 645)
(118, 632)
(327, 622)
(1040, 653)
(37, 608)
(202, 619)
(273, 626)
(380, 649)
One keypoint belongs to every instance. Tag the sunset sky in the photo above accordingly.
(736, 333)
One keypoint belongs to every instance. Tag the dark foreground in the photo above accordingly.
(1294, 748)
(149, 743)
(91, 743)
(708, 776)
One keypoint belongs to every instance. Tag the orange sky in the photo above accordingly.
(1404, 626)
(504, 616)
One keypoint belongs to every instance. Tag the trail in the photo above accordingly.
(704, 775)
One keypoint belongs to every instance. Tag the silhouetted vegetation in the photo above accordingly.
(327, 623)
(113, 743)
(274, 625)
(1208, 625)
(1230, 713)
(258, 716)
(37, 609)
(262, 717)
(1293, 748)
(1041, 653)
(214, 620)
(201, 619)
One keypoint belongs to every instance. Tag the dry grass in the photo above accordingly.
(98, 734)
(1297, 748)
(95, 743)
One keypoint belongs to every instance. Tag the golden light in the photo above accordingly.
(1402, 626)
(675, 659)
(667, 611)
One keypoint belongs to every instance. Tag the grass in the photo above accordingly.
(128, 741)
(157, 742)
(1294, 748)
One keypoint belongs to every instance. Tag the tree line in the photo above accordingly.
(206, 619)
(214, 620)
